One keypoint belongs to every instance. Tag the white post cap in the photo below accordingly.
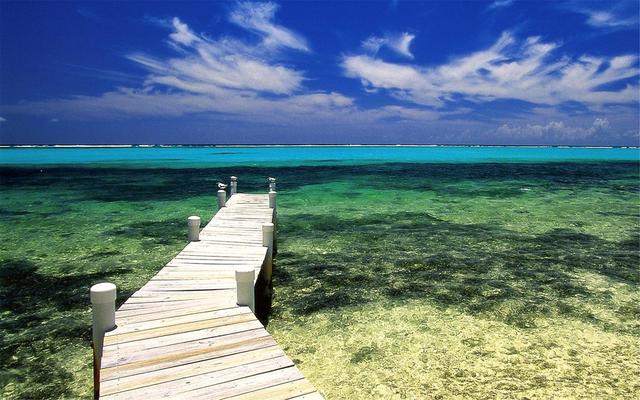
(193, 220)
(268, 227)
(245, 274)
(102, 293)
(234, 178)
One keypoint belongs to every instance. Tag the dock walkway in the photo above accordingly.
(183, 336)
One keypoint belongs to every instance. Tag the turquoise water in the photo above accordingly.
(303, 155)
(490, 272)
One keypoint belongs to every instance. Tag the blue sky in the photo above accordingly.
(474, 72)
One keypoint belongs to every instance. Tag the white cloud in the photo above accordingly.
(600, 124)
(211, 66)
(3, 119)
(607, 19)
(373, 44)
(182, 34)
(228, 79)
(554, 130)
(500, 4)
(399, 43)
(509, 69)
(225, 78)
(258, 18)
(616, 16)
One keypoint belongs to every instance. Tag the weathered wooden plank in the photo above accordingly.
(172, 286)
(246, 384)
(204, 371)
(244, 255)
(175, 387)
(173, 275)
(133, 316)
(160, 341)
(119, 338)
(177, 320)
(118, 363)
(159, 295)
(216, 261)
(132, 306)
(150, 300)
(187, 275)
(283, 391)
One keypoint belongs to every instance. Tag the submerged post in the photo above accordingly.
(222, 195)
(234, 185)
(193, 223)
(103, 303)
(272, 184)
(245, 278)
(267, 241)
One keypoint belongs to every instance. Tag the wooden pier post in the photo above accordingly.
(222, 195)
(103, 304)
(272, 204)
(193, 223)
(267, 241)
(234, 185)
(272, 199)
(245, 277)
(272, 184)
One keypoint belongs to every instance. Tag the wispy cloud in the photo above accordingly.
(3, 119)
(399, 43)
(259, 18)
(528, 70)
(500, 4)
(608, 19)
(100, 73)
(607, 15)
(227, 78)
(212, 66)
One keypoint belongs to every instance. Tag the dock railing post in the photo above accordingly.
(222, 195)
(103, 304)
(234, 185)
(267, 241)
(245, 278)
(193, 223)
(272, 199)
(274, 218)
(272, 184)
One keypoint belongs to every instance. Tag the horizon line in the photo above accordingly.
(169, 145)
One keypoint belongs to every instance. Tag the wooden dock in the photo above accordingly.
(183, 336)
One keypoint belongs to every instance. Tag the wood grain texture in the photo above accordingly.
(182, 335)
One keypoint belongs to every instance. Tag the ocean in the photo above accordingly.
(184, 156)
(413, 271)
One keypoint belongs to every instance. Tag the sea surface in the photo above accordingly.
(304, 155)
(402, 272)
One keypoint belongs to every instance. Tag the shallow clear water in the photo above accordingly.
(459, 276)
